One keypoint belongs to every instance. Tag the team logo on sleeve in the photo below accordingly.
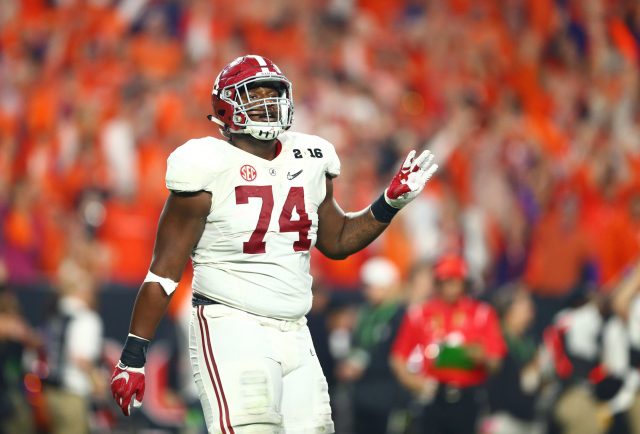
(248, 172)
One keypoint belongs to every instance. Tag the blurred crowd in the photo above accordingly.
(530, 106)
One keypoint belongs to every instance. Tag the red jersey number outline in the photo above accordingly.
(295, 199)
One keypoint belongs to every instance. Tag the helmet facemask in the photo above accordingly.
(278, 110)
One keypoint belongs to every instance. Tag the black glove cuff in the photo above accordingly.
(134, 353)
(382, 211)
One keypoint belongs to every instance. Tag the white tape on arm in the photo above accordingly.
(139, 337)
(167, 284)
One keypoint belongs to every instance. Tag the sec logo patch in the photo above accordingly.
(248, 172)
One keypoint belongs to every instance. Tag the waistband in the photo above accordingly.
(219, 309)
(201, 300)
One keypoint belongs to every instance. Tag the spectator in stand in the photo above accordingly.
(73, 347)
(589, 348)
(16, 336)
(460, 341)
(514, 388)
(376, 392)
(420, 284)
(555, 277)
(626, 303)
(511, 258)
(318, 323)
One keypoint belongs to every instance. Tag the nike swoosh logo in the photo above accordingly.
(124, 375)
(290, 176)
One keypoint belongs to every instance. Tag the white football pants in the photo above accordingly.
(257, 375)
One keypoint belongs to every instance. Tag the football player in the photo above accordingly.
(247, 210)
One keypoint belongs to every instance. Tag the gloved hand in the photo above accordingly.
(127, 382)
(410, 179)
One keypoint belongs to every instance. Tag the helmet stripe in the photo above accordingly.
(215, 83)
(261, 62)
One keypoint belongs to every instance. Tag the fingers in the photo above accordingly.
(125, 405)
(408, 160)
(428, 161)
(420, 161)
(124, 399)
(430, 171)
(423, 161)
(418, 179)
(140, 393)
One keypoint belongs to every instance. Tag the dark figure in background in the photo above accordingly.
(555, 279)
(319, 329)
(15, 337)
(73, 347)
(590, 352)
(626, 304)
(376, 392)
(514, 388)
(459, 342)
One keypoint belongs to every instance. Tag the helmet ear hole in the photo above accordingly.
(221, 112)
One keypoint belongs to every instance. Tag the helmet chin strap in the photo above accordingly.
(262, 133)
(256, 131)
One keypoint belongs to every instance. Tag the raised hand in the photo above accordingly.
(410, 179)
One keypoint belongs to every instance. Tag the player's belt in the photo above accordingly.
(201, 300)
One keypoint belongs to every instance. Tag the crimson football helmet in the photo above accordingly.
(231, 102)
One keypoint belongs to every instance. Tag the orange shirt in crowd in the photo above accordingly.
(343, 275)
(605, 226)
(182, 294)
(631, 229)
(156, 58)
(18, 229)
(129, 233)
(558, 253)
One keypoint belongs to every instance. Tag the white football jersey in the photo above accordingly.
(254, 251)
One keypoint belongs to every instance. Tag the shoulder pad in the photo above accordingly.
(192, 166)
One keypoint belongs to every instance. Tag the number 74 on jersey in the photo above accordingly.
(295, 199)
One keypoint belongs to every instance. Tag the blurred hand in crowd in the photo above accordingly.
(604, 417)
(349, 371)
(12, 326)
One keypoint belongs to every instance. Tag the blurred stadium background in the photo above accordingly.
(531, 107)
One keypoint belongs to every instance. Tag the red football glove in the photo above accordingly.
(125, 383)
(410, 179)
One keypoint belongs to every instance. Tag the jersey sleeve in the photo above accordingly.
(186, 169)
(332, 162)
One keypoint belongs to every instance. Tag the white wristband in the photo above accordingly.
(139, 337)
(167, 284)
